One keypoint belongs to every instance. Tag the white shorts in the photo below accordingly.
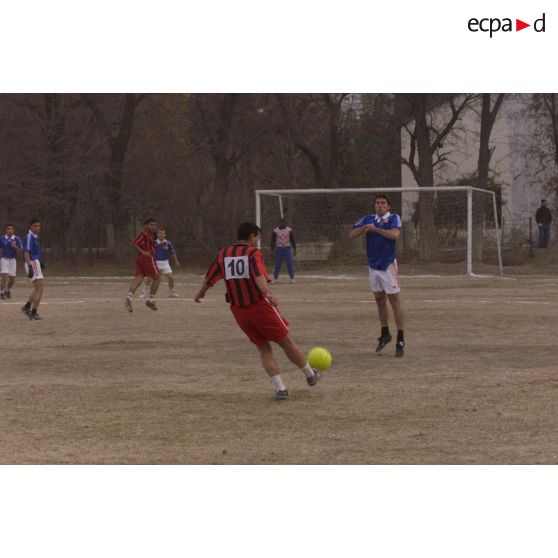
(164, 266)
(8, 265)
(37, 271)
(384, 281)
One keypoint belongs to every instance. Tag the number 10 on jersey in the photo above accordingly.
(236, 267)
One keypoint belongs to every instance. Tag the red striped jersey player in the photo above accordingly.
(254, 308)
(145, 264)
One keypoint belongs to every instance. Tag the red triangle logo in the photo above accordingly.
(519, 25)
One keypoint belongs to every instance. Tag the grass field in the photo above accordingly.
(93, 384)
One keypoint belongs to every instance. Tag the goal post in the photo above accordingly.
(454, 225)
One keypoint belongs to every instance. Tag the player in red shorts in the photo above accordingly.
(145, 264)
(254, 308)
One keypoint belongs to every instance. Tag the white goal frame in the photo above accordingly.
(469, 189)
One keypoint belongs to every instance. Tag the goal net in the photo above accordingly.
(446, 229)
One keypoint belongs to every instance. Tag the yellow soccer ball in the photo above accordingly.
(319, 358)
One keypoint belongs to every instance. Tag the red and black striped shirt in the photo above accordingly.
(238, 264)
(144, 241)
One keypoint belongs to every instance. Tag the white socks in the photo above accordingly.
(307, 369)
(277, 383)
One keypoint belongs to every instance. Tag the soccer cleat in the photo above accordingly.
(128, 304)
(26, 310)
(151, 304)
(281, 395)
(8, 295)
(172, 294)
(293, 280)
(399, 349)
(313, 380)
(382, 342)
(34, 316)
(142, 295)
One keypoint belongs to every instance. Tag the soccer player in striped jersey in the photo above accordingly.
(382, 229)
(253, 306)
(282, 240)
(11, 247)
(32, 256)
(145, 265)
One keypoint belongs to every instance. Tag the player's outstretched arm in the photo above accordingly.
(201, 292)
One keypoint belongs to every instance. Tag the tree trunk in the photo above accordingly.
(119, 214)
(425, 178)
(482, 179)
(53, 131)
(488, 117)
(219, 210)
(334, 109)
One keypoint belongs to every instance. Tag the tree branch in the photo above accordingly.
(100, 119)
(455, 115)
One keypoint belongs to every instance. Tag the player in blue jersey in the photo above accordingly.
(382, 229)
(164, 251)
(11, 247)
(33, 268)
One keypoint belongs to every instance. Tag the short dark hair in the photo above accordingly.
(33, 221)
(382, 196)
(282, 221)
(543, 201)
(246, 230)
(150, 220)
(10, 225)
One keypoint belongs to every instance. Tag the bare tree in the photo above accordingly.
(427, 142)
(550, 103)
(226, 129)
(372, 146)
(49, 136)
(117, 136)
(543, 109)
(324, 162)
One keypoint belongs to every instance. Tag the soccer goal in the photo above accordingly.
(450, 228)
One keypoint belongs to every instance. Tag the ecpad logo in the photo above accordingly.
(493, 25)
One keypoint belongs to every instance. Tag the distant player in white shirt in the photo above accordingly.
(164, 250)
(382, 229)
(11, 247)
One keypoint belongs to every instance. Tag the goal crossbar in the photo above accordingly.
(368, 190)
